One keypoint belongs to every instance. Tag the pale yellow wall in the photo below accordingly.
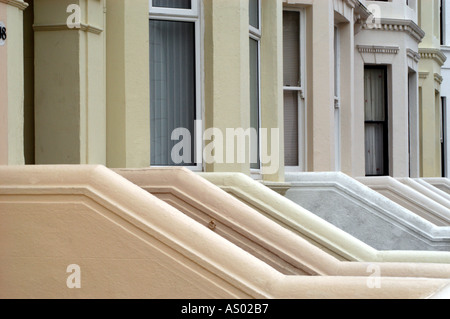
(430, 119)
(429, 22)
(321, 104)
(226, 64)
(226, 77)
(430, 69)
(272, 83)
(128, 88)
(70, 113)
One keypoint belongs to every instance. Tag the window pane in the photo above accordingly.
(254, 94)
(336, 62)
(374, 94)
(172, 87)
(291, 48)
(254, 13)
(375, 157)
(291, 128)
(177, 4)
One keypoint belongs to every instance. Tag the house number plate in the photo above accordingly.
(3, 35)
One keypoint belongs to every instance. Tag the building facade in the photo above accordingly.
(297, 85)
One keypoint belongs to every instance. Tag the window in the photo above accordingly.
(182, 8)
(174, 81)
(294, 110)
(376, 121)
(443, 133)
(255, 101)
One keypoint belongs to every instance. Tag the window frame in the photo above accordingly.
(175, 12)
(256, 34)
(385, 123)
(302, 100)
(195, 16)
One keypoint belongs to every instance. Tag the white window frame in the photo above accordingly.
(337, 97)
(175, 12)
(194, 15)
(256, 34)
(302, 109)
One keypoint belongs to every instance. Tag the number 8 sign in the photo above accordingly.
(3, 35)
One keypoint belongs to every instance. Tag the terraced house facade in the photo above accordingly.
(185, 146)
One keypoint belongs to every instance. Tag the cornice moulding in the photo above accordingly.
(361, 10)
(377, 49)
(438, 78)
(431, 53)
(423, 75)
(16, 3)
(413, 55)
(64, 27)
(408, 26)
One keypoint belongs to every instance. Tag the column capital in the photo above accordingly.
(16, 3)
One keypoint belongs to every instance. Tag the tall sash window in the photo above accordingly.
(376, 121)
(174, 80)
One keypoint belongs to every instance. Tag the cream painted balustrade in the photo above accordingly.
(317, 230)
(262, 237)
(441, 183)
(413, 196)
(86, 232)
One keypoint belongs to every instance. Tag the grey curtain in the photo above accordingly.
(375, 117)
(291, 128)
(254, 95)
(291, 48)
(172, 86)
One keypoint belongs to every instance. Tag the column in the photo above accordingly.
(70, 107)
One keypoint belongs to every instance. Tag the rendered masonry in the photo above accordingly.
(122, 111)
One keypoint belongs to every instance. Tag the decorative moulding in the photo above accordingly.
(64, 27)
(415, 56)
(376, 49)
(407, 26)
(432, 53)
(438, 78)
(402, 192)
(424, 75)
(16, 3)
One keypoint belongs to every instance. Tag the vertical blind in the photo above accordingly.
(177, 4)
(375, 121)
(172, 86)
(291, 128)
(254, 98)
(291, 48)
